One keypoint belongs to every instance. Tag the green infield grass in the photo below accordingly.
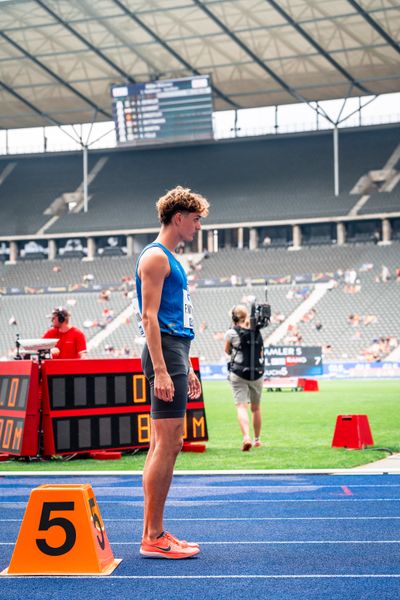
(297, 431)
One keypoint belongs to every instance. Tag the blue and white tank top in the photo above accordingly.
(175, 315)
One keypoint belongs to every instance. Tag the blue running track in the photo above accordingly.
(262, 537)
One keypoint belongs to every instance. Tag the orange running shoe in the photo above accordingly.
(165, 547)
(183, 543)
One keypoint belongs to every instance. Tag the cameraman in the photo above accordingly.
(244, 345)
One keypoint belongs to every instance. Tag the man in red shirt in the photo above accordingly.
(71, 340)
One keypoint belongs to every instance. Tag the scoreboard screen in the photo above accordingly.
(293, 361)
(103, 404)
(19, 407)
(165, 111)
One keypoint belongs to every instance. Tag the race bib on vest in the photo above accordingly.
(188, 321)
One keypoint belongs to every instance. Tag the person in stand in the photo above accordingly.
(166, 318)
(71, 340)
(246, 380)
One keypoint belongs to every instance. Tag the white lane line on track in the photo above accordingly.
(149, 577)
(209, 473)
(247, 487)
(280, 542)
(173, 502)
(247, 519)
(269, 488)
(261, 542)
(255, 487)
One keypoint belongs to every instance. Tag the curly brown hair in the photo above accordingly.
(180, 199)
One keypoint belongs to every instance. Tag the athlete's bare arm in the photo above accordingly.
(194, 385)
(153, 269)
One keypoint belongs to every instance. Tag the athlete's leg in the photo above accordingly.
(158, 471)
(145, 469)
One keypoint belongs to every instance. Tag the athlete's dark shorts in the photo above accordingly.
(176, 355)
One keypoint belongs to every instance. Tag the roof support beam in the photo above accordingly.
(319, 48)
(375, 25)
(294, 93)
(38, 112)
(90, 8)
(54, 75)
(33, 108)
(88, 44)
(169, 49)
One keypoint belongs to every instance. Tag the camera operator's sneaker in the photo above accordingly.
(167, 546)
(247, 444)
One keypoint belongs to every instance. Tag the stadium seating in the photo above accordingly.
(211, 324)
(283, 177)
(31, 314)
(318, 259)
(374, 305)
(246, 180)
(373, 298)
(32, 186)
(380, 202)
(67, 272)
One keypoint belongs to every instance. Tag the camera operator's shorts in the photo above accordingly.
(245, 391)
(176, 355)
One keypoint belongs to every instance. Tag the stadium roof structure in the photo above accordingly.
(58, 58)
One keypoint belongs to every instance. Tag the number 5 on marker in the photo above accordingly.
(46, 523)
(62, 533)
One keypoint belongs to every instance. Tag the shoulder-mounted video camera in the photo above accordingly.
(262, 315)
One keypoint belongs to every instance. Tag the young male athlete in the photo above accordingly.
(167, 319)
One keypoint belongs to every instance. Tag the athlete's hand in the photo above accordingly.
(164, 387)
(194, 385)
